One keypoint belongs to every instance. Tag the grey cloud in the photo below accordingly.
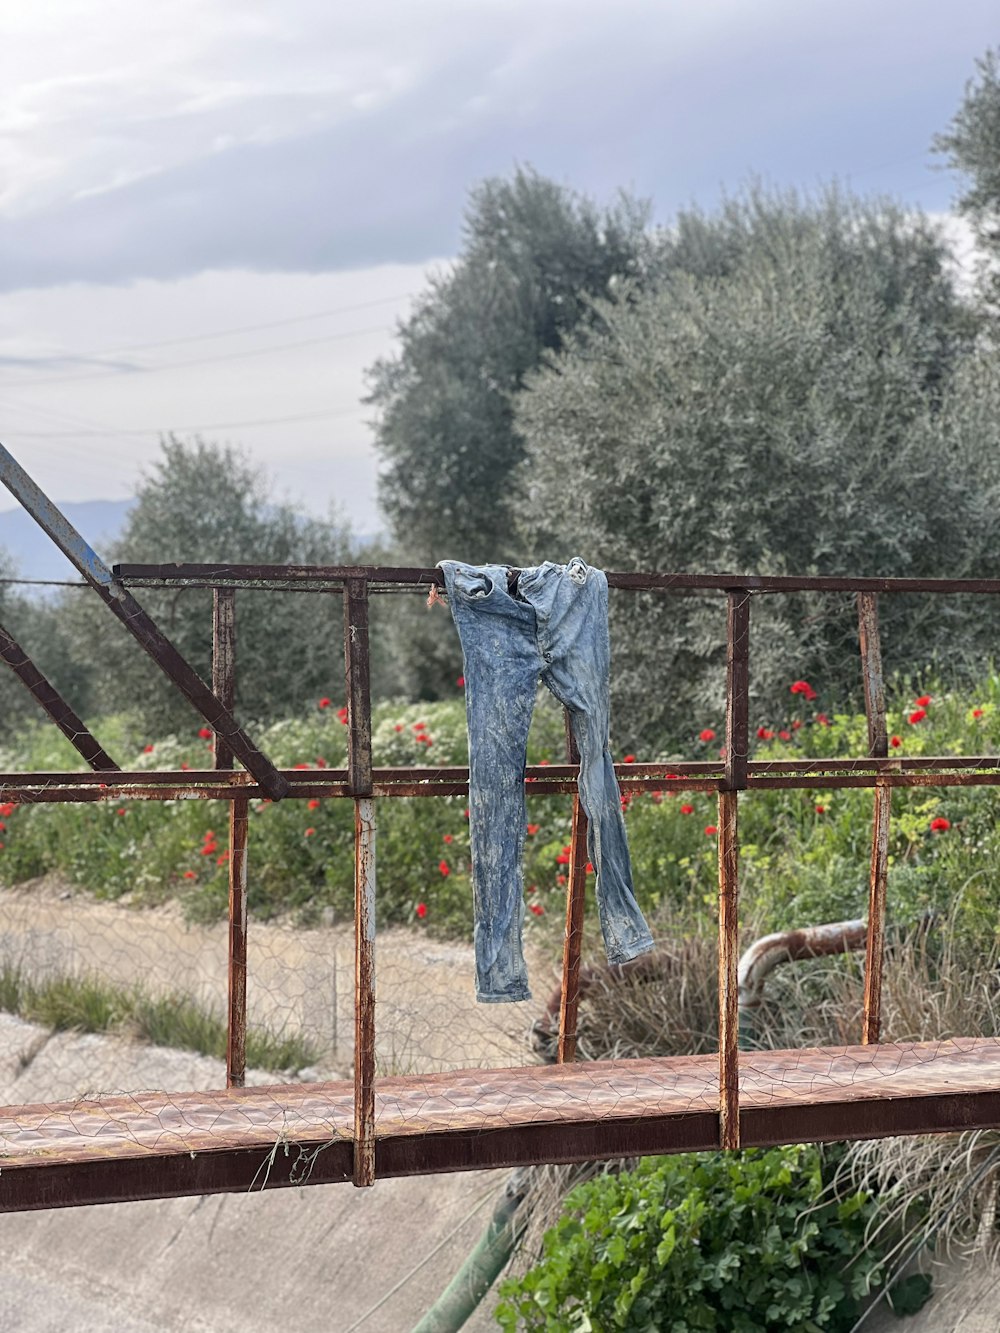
(612, 106)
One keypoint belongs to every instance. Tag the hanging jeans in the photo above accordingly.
(517, 626)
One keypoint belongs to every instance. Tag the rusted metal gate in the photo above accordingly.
(155, 1145)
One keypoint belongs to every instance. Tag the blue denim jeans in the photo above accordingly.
(517, 626)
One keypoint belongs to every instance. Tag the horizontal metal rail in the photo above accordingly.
(388, 576)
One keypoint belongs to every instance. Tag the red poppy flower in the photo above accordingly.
(321, 763)
(916, 716)
(764, 735)
(537, 908)
(421, 910)
(121, 812)
(313, 804)
(687, 809)
(940, 824)
(628, 759)
(187, 767)
(533, 829)
(342, 715)
(460, 682)
(590, 867)
(804, 688)
(821, 809)
(206, 733)
(420, 726)
(560, 879)
(448, 837)
(543, 762)
(923, 701)
(209, 849)
(977, 712)
(784, 735)
(444, 867)
(324, 703)
(822, 719)
(563, 858)
(301, 765)
(189, 874)
(706, 734)
(209, 834)
(147, 749)
(895, 742)
(796, 724)
(710, 830)
(222, 859)
(309, 832)
(399, 726)
(466, 813)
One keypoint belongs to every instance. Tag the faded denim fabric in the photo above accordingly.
(516, 626)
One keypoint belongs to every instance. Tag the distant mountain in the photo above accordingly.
(99, 522)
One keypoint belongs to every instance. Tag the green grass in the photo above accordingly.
(89, 1004)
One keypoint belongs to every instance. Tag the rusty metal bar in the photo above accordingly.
(359, 783)
(364, 992)
(878, 746)
(871, 1022)
(871, 672)
(236, 1040)
(729, 951)
(576, 892)
(138, 623)
(224, 663)
(51, 701)
(737, 689)
(405, 576)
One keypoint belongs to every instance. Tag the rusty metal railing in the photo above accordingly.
(365, 784)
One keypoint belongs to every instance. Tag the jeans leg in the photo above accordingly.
(573, 629)
(502, 667)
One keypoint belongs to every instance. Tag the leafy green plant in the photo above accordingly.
(739, 1242)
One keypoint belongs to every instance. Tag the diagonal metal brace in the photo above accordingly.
(139, 624)
(48, 697)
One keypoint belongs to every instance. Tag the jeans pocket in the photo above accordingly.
(473, 583)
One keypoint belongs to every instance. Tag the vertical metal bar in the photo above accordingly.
(871, 672)
(737, 689)
(48, 698)
(364, 992)
(236, 1042)
(139, 624)
(729, 948)
(224, 663)
(359, 777)
(224, 689)
(878, 747)
(576, 890)
(871, 1023)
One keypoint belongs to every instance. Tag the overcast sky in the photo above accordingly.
(213, 213)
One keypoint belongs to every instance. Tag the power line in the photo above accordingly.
(167, 429)
(201, 361)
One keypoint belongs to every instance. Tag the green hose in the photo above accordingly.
(463, 1294)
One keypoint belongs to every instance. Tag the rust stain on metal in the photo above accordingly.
(224, 664)
(236, 1041)
(576, 890)
(364, 992)
(48, 698)
(729, 945)
(737, 689)
(871, 671)
(357, 670)
(878, 874)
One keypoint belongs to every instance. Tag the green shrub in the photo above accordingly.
(745, 1242)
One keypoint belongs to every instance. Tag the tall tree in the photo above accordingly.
(972, 145)
(795, 396)
(205, 502)
(534, 255)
